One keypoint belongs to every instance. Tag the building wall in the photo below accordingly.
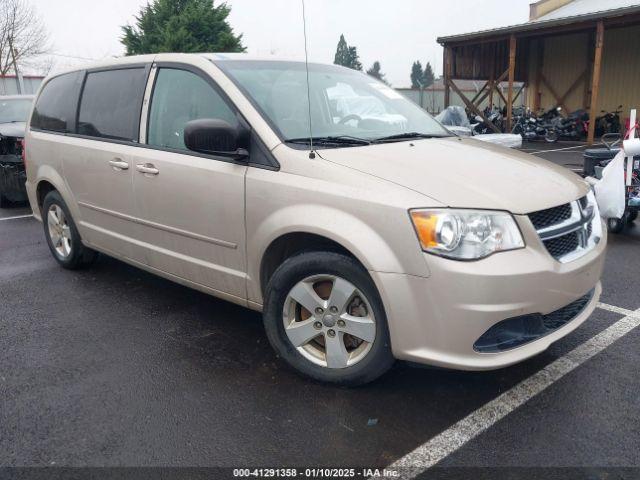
(620, 81)
(566, 57)
(9, 85)
(433, 101)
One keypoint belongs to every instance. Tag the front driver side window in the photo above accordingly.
(180, 96)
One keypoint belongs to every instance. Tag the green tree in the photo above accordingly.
(185, 26)
(417, 75)
(347, 56)
(376, 72)
(428, 77)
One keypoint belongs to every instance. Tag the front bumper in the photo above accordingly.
(437, 320)
(12, 178)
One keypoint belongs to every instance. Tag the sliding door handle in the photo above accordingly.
(147, 169)
(118, 164)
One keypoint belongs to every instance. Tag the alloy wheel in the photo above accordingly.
(329, 321)
(59, 231)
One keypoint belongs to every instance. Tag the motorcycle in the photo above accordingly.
(607, 123)
(574, 127)
(532, 128)
(494, 115)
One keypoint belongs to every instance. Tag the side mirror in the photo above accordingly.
(215, 137)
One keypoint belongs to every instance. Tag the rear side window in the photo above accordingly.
(55, 109)
(111, 103)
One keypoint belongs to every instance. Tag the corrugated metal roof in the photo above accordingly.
(584, 7)
(545, 22)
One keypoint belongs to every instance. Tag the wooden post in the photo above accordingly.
(595, 86)
(589, 67)
(537, 94)
(512, 74)
(447, 75)
(492, 77)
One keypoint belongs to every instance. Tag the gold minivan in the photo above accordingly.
(360, 227)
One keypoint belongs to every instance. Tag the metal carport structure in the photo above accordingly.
(561, 61)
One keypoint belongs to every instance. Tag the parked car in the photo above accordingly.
(369, 245)
(14, 111)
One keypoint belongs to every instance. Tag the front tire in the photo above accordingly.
(616, 225)
(62, 234)
(324, 316)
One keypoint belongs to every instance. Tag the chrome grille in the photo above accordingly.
(561, 246)
(569, 231)
(550, 216)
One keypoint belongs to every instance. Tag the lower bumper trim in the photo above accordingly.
(518, 331)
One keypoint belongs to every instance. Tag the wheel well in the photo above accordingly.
(292, 244)
(43, 189)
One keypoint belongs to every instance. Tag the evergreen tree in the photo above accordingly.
(417, 75)
(428, 77)
(347, 56)
(376, 72)
(186, 26)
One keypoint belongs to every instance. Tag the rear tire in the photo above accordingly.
(330, 284)
(62, 234)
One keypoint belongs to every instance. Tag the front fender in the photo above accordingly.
(367, 243)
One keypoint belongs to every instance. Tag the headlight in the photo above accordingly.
(466, 234)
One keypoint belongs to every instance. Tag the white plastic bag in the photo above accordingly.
(610, 191)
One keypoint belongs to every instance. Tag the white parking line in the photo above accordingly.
(15, 218)
(566, 149)
(449, 441)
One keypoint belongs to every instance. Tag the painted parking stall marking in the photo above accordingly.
(444, 444)
(19, 217)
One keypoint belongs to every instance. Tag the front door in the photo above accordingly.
(190, 207)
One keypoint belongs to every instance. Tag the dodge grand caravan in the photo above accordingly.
(361, 228)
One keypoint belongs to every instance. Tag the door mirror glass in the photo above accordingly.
(214, 136)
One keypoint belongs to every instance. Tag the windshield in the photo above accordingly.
(14, 110)
(345, 104)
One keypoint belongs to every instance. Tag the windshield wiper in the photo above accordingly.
(406, 136)
(331, 140)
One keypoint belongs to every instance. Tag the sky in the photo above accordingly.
(394, 32)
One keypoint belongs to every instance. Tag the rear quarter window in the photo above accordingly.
(111, 104)
(55, 108)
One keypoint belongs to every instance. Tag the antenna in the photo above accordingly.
(312, 154)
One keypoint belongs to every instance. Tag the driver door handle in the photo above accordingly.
(118, 164)
(147, 169)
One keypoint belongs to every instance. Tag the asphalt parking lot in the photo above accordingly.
(115, 367)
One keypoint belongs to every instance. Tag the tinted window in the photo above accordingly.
(111, 102)
(56, 106)
(179, 97)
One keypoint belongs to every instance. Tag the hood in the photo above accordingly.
(466, 173)
(15, 129)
